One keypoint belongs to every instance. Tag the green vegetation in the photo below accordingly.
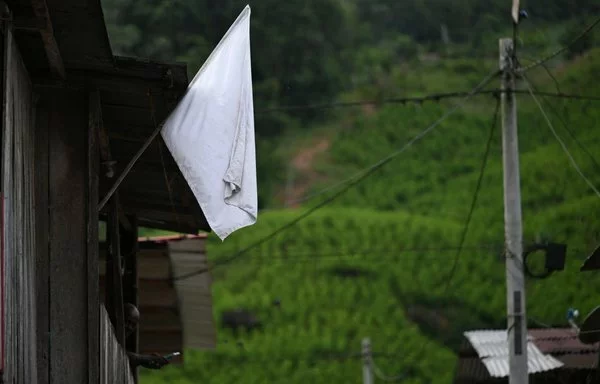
(376, 262)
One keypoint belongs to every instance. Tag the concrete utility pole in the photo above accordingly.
(515, 278)
(366, 353)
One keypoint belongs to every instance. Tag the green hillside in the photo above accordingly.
(341, 274)
(377, 262)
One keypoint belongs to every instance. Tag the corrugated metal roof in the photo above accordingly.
(537, 362)
(492, 348)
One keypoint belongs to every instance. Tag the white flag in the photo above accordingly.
(211, 133)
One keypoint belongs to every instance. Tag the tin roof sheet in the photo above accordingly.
(492, 348)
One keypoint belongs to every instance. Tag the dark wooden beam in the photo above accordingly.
(131, 76)
(114, 281)
(68, 281)
(103, 141)
(78, 80)
(42, 233)
(94, 122)
(55, 60)
(104, 144)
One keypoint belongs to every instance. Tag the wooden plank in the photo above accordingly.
(55, 61)
(129, 247)
(20, 345)
(154, 268)
(103, 140)
(9, 357)
(155, 318)
(3, 175)
(68, 238)
(127, 85)
(116, 285)
(18, 207)
(93, 289)
(152, 341)
(149, 268)
(42, 237)
(157, 294)
(114, 364)
(153, 293)
(194, 293)
(26, 111)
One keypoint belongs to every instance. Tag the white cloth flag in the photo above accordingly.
(211, 133)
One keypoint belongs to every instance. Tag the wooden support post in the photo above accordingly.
(68, 265)
(94, 116)
(129, 247)
(42, 239)
(114, 277)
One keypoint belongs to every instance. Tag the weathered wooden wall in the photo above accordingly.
(194, 293)
(174, 316)
(19, 252)
(114, 365)
(66, 228)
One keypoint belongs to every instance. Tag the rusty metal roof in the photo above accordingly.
(559, 341)
(130, 89)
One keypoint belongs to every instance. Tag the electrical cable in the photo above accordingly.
(375, 256)
(475, 195)
(382, 376)
(562, 49)
(341, 182)
(565, 125)
(351, 183)
(450, 277)
(560, 141)
(417, 100)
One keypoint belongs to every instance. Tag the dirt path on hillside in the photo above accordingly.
(304, 174)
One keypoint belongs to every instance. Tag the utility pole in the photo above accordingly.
(366, 354)
(515, 278)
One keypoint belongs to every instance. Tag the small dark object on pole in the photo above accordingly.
(555, 255)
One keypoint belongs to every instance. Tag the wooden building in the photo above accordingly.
(73, 115)
(175, 316)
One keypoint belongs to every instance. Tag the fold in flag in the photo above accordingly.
(211, 133)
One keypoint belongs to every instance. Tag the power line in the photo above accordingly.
(560, 141)
(351, 183)
(565, 125)
(346, 180)
(475, 194)
(413, 100)
(561, 50)
(386, 255)
(448, 280)
(382, 376)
